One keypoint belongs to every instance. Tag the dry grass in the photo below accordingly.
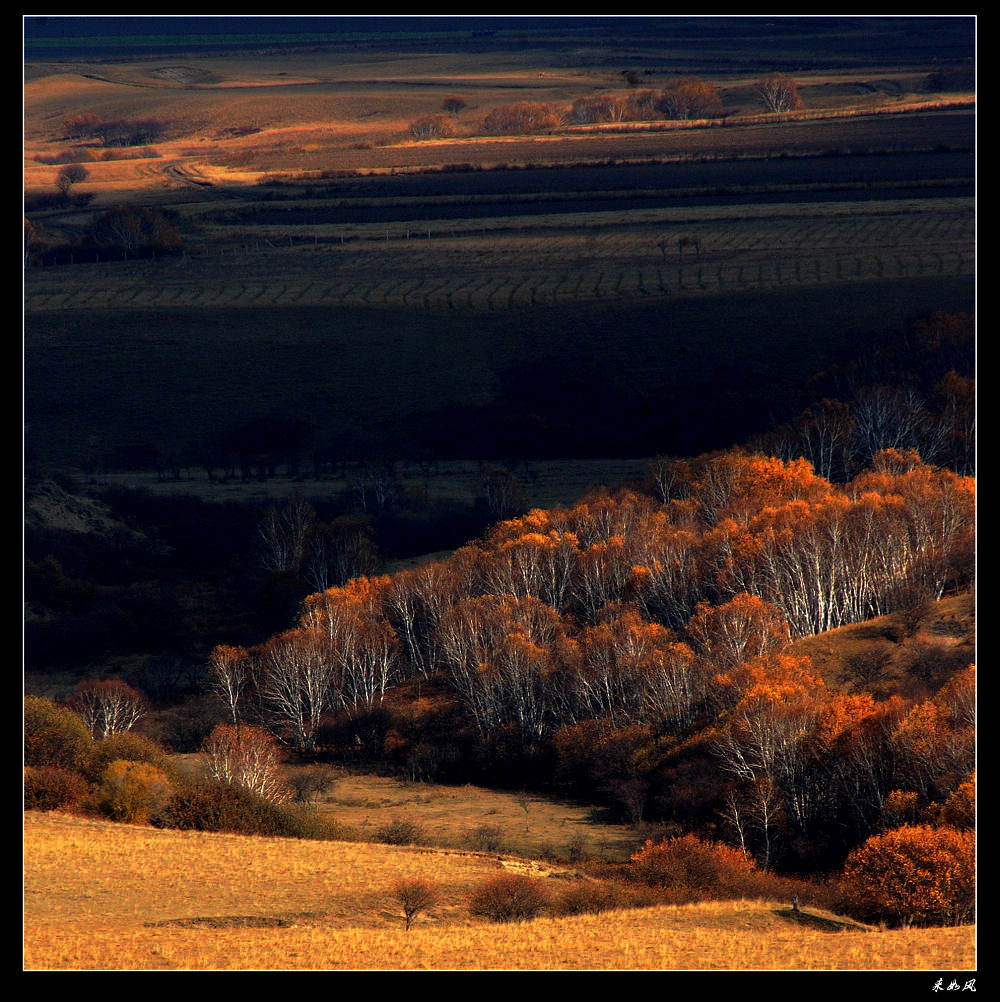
(947, 629)
(529, 825)
(100, 896)
(234, 119)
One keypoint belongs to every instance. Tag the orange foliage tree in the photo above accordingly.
(913, 875)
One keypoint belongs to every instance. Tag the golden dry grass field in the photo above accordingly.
(220, 902)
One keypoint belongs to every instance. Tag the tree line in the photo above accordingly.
(682, 99)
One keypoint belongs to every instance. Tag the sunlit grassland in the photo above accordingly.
(101, 896)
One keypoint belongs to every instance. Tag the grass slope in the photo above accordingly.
(104, 896)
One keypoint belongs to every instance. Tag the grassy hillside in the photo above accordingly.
(226, 902)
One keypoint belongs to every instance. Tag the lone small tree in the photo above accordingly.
(779, 92)
(415, 896)
(69, 175)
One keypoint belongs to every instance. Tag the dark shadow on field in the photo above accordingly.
(818, 922)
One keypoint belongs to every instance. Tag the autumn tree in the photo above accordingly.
(232, 678)
(453, 104)
(108, 706)
(131, 230)
(742, 629)
(360, 648)
(913, 875)
(689, 97)
(599, 108)
(247, 756)
(68, 176)
(778, 92)
(432, 127)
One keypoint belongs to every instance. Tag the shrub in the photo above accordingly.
(400, 831)
(509, 897)
(132, 791)
(414, 896)
(50, 788)
(687, 864)
(487, 838)
(432, 127)
(224, 807)
(130, 747)
(520, 119)
(912, 875)
(589, 897)
(54, 735)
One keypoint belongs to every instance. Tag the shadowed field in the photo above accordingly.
(604, 290)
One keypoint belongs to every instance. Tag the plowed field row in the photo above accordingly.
(518, 266)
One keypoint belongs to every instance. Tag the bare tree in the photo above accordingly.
(283, 533)
(415, 896)
(246, 756)
(108, 706)
(232, 677)
(779, 92)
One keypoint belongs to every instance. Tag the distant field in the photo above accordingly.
(658, 287)
(104, 896)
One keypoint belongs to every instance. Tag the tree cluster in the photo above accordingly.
(624, 638)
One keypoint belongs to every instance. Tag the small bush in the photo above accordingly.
(400, 831)
(589, 897)
(132, 792)
(128, 746)
(487, 838)
(49, 788)
(432, 127)
(509, 897)
(308, 783)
